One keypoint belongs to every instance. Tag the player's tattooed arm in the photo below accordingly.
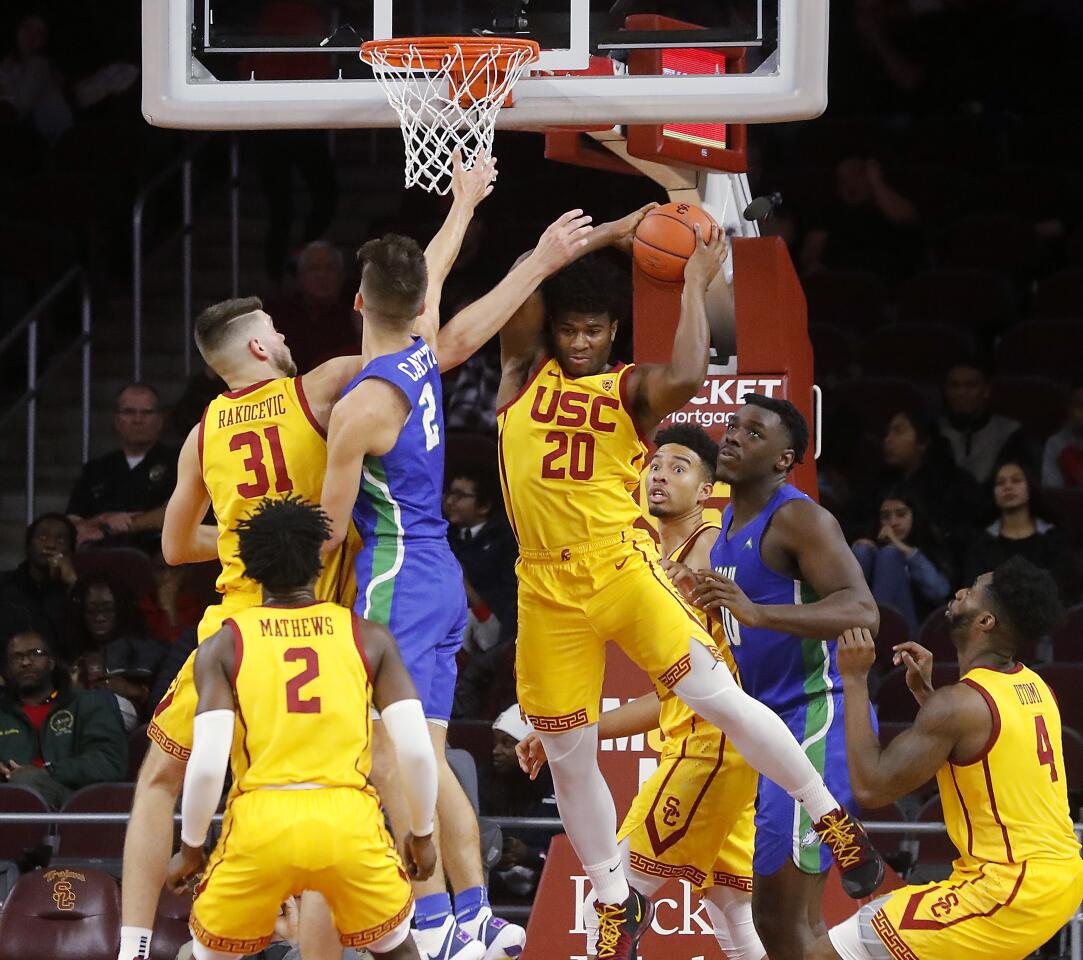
(657, 389)
(953, 724)
(185, 538)
(368, 420)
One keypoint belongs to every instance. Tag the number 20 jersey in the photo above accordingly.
(260, 441)
(570, 458)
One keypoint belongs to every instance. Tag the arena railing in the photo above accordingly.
(75, 278)
(1075, 925)
(183, 166)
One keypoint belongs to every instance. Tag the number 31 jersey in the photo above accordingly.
(261, 441)
(570, 458)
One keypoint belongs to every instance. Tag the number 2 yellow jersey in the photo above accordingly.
(1010, 804)
(261, 441)
(570, 458)
(304, 696)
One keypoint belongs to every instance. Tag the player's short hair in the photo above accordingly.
(279, 542)
(396, 276)
(592, 284)
(215, 325)
(1025, 601)
(796, 425)
(696, 439)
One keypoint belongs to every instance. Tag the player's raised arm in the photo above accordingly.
(953, 724)
(366, 421)
(659, 389)
(185, 538)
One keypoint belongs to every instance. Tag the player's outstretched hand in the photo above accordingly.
(563, 241)
(714, 592)
(531, 754)
(420, 856)
(856, 653)
(474, 185)
(185, 868)
(707, 259)
(919, 668)
(623, 231)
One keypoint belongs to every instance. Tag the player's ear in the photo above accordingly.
(986, 621)
(358, 302)
(705, 491)
(256, 348)
(785, 461)
(612, 331)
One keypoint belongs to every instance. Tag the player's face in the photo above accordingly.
(274, 344)
(582, 342)
(504, 758)
(969, 603)
(754, 446)
(675, 482)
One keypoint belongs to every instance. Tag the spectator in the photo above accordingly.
(1062, 461)
(318, 319)
(1020, 531)
(979, 439)
(470, 398)
(871, 226)
(120, 498)
(102, 614)
(42, 584)
(202, 387)
(901, 564)
(54, 738)
(507, 792)
(89, 673)
(32, 82)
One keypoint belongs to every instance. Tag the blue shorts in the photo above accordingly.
(783, 828)
(417, 593)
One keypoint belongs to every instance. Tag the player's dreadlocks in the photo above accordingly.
(695, 438)
(279, 542)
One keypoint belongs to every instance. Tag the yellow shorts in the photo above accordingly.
(1002, 912)
(571, 602)
(276, 843)
(694, 819)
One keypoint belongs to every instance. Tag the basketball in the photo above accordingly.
(665, 240)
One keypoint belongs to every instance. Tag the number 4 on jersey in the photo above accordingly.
(1046, 756)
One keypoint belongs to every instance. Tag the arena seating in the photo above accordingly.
(95, 841)
(918, 351)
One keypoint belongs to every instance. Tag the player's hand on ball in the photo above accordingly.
(473, 185)
(919, 668)
(707, 258)
(856, 652)
(623, 231)
(563, 241)
(420, 856)
(531, 754)
(185, 868)
(715, 592)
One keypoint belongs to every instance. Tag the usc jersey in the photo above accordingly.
(570, 458)
(1011, 804)
(261, 441)
(301, 679)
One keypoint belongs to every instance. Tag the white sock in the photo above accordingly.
(608, 880)
(816, 799)
(134, 943)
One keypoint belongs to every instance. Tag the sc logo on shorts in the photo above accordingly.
(671, 811)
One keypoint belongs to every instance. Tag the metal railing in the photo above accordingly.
(183, 166)
(29, 324)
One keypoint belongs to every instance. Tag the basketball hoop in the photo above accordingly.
(447, 92)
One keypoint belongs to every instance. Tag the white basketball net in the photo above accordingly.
(439, 114)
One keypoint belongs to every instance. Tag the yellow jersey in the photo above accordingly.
(261, 441)
(570, 458)
(685, 732)
(1010, 804)
(304, 697)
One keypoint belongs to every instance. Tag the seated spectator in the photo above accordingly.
(43, 582)
(318, 319)
(470, 394)
(102, 613)
(88, 673)
(1020, 531)
(979, 439)
(32, 82)
(902, 565)
(508, 792)
(119, 499)
(1062, 461)
(54, 738)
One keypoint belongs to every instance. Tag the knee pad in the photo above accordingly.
(568, 748)
(731, 916)
(707, 679)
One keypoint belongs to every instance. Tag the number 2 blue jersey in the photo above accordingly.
(778, 669)
(401, 492)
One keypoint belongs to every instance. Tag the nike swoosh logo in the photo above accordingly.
(621, 564)
(611, 869)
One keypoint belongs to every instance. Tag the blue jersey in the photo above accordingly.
(778, 669)
(401, 491)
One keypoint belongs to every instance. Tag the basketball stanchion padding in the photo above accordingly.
(447, 92)
(665, 239)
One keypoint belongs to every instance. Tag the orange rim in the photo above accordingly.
(403, 52)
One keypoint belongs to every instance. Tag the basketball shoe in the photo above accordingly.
(501, 939)
(448, 942)
(620, 925)
(861, 868)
